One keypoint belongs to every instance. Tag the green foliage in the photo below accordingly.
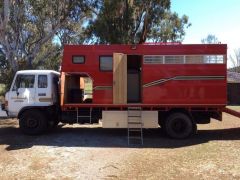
(2, 90)
(129, 21)
(31, 24)
(210, 39)
(6, 74)
(48, 57)
(169, 29)
(33, 32)
(28, 29)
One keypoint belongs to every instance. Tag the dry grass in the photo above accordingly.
(1, 92)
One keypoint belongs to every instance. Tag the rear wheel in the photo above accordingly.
(53, 124)
(32, 122)
(179, 126)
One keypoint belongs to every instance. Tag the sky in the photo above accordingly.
(218, 17)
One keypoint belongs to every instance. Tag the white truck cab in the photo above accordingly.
(32, 88)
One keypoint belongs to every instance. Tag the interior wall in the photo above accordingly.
(74, 88)
(134, 78)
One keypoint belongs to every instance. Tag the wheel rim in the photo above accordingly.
(179, 126)
(32, 123)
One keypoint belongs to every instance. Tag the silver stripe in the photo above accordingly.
(186, 78)
(102, 87)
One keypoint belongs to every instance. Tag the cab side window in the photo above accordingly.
(42, 81)
(24, 81)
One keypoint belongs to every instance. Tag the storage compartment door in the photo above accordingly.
(119, 78)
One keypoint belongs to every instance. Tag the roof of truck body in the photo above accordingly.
(92, 53)
(158, 49)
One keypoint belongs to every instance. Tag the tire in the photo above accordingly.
(53, 124)
(32, 122)
(179, 126)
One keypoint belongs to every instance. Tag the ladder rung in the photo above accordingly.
(134, 130)
(135, 116)
(134, 119)
(134, 137)
(134, 123)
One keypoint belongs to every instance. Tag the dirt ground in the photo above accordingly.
(82, 152)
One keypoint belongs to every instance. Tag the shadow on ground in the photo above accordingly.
(99, 137)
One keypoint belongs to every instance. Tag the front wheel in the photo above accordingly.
(179, 126)
(32, 122)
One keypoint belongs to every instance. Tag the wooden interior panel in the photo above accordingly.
(63, 89)
(119, 78)
(82, 83)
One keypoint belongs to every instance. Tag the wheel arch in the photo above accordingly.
(162, 115)
(40, 108)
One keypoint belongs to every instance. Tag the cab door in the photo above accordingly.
(22, 93)
(119, 78)
(43, 90)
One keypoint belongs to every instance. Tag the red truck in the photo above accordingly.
(174, 86)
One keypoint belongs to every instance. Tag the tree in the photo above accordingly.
(27, 30)
(210, 39)
(6, 73)
(53, 59)
(235, 59)
(129, 21)
(32, 32)
(27, 25)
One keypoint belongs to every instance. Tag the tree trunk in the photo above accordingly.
(144, 32)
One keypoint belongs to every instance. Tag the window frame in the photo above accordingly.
(13, 88)
(153, 59)
(111, 70)
(219, 59)
(173, 59)
(38, 81)
(73, 56)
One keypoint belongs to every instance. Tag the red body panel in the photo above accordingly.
(177, 92)
(185, 91)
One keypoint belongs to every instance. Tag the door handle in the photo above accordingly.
(19, 100)
(41, 94)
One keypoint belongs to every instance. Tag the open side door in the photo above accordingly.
(119, 78)
(62, 89)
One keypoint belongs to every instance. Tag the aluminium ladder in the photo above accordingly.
(86, 114)
(135, 125)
